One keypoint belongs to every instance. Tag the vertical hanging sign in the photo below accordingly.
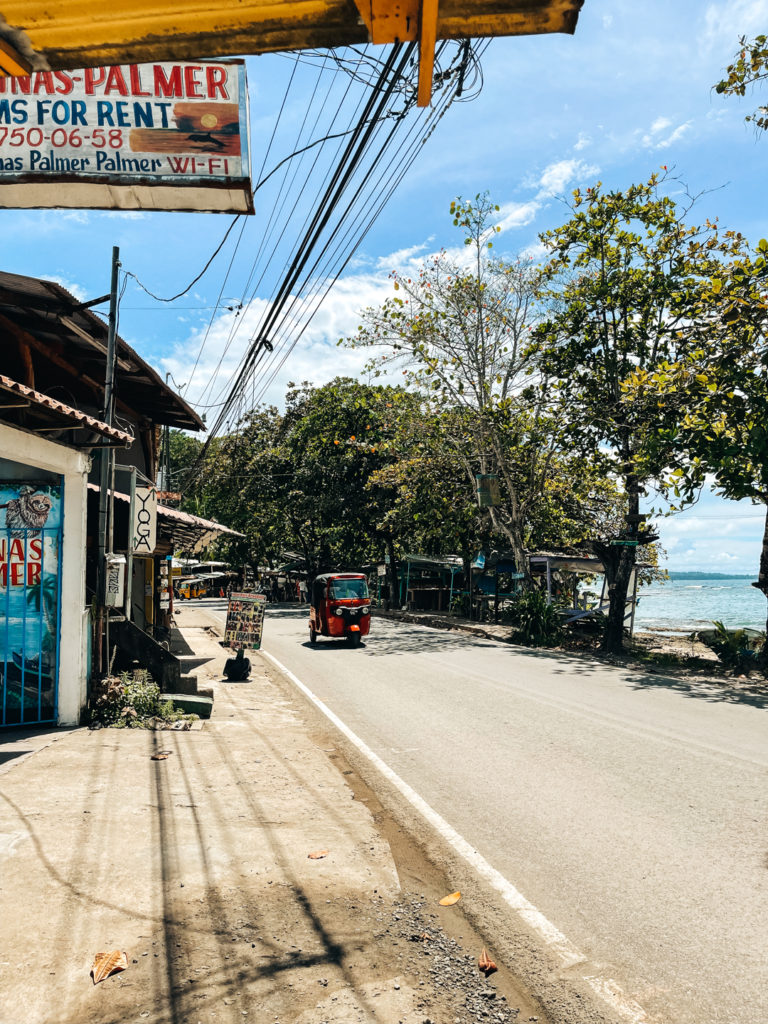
(144, 527)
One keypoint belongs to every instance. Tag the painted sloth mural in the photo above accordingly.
(30, 544)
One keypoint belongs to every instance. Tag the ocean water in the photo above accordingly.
(686, 605)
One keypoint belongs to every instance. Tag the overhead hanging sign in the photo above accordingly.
(165, 136)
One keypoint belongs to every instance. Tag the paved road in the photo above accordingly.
(628, 808)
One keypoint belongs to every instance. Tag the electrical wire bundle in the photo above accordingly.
(310, 244)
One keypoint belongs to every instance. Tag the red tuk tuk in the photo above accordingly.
(340, 606)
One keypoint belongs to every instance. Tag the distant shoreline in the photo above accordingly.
(709, 575)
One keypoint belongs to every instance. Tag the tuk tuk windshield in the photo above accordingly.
(341, 590)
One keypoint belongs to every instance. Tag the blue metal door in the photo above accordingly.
(30, 601)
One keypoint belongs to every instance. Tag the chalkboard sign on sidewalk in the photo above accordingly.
(245, 621)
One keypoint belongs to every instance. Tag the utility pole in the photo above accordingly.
(105, 458)
(166, 474)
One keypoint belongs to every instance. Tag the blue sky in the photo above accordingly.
(631, 90)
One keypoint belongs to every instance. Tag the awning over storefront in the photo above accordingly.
(41, 322)
(41, 34)
(190, 533)
(187, 533)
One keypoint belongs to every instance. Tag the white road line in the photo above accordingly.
(606, 988)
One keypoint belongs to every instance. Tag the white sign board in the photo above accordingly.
(165, 136)
(115, 580)
(145, 521)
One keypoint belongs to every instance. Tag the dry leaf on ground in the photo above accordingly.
(486, 965)
(105, 964)
(448, 901)
(317, 855)
(161, 755)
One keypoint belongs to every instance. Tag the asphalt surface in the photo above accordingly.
(629, 808)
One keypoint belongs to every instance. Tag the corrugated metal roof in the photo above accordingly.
(57, 323)
(87, 33)
(86, 421)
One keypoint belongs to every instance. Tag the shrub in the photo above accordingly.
(733, 648)
(535, 621)
(131, 702)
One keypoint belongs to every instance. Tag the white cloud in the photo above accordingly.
(582, 142)
(315, 357)
(517, 215)
(557, 176)
(726, 21)
(657, 137)
(126, 214)
(73, 288)
(537, 251)
(402, 257)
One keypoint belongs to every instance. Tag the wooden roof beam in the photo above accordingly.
(400, 21)
(12, 63)
(427, 40)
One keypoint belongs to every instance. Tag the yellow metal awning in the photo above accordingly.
(40, 35)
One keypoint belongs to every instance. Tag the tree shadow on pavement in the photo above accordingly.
(230, 968)
(640, 678)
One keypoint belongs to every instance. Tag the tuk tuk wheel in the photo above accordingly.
(353, 639)
(312, 636)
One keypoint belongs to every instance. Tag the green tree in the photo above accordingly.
(460, 330)
(719, 393)
(627, 280)
(749, 67)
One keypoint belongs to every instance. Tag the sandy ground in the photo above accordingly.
(197, 867)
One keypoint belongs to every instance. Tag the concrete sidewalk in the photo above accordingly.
(197, 867)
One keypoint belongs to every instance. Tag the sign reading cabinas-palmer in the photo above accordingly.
(165, 136)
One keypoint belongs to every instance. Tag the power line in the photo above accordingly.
(364, 178)
(352, 155)
(173, 298)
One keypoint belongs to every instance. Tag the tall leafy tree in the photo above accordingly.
(719, 393)
(628, 280)
(460, 329)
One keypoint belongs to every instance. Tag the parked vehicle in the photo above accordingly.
(188, 589)
(340, 607)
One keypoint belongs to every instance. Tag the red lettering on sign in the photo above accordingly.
(19, 566)
(93, 77)
(115, 82)
(44, 83)
(66, 85)
(135, 76)
(216, 79)
(168, 85)
(190, 81)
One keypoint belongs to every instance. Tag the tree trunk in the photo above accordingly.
(762, 584)
(465, 607)
(619, 561)
(394, 596)
(514, 535)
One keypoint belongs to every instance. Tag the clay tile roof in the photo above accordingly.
(37, 398)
